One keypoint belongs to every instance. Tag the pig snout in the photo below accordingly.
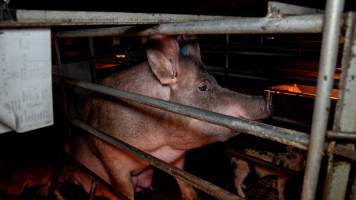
(248, 106)
(259, 108)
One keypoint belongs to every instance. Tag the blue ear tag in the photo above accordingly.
(184, 51)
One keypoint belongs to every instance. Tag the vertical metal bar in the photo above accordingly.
(55, 177)
(227, 42)
(92, 60)
(328, 57)
(345, 116)
(92, 189)
(353, 188)
(59, 163)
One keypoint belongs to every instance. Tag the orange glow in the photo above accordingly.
(105, 65)
(299, 90)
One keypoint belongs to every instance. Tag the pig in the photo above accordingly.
(241, 170)
(172, 73)
(292, 159)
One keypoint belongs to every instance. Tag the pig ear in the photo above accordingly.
(189, 46)
(163, 58)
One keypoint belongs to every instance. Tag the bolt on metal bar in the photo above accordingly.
(195, 181)
(273, 133)
(236, 25)
(277, 134)
(329, 51)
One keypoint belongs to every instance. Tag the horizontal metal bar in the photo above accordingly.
(87, 171)
(237, 25)
(290, 121)
(41, 18)
(281, 135)
(342, 135)
(262, 78)
(195, 181)
(345, 152)
(249, 53)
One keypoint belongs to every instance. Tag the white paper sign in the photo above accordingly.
(25, 80)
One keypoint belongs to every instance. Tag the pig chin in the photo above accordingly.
(218, 133)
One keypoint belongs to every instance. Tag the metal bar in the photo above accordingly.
(92, 189)
(277, 134)
(281, 135)
(227, 54)
(345, 152)
(237, 25)
(328, 57)
(290, 121)
(55, 177)
(345, 116)
(342, 135)
(195, 181)
(92, 60)
(262, 78)
(43, 18)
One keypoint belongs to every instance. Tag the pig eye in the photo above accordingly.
(203, 86)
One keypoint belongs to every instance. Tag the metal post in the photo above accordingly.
(345, 116)
(328, 57)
